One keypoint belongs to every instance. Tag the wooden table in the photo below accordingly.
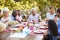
(31, 36)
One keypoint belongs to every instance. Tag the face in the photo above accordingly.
(15, 13)
(33, 12)
(6, 13)
(19, 13)
(51, 10)
(58, 14)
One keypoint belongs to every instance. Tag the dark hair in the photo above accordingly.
(14, 13)
(58, 10)
(0, 10)
(51, 7)
(56, 15)
(18, 12)
(52, 26)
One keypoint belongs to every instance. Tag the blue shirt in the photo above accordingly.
(53, 37)
(58, 24)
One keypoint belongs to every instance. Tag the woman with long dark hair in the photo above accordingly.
(52, 29)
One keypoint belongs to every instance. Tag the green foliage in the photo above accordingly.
(28, 4)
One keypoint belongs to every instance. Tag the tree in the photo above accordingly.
(28, 4)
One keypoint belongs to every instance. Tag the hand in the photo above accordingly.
(6, 21)
(45, 33)
(33, 21)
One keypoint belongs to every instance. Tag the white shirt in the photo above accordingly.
(35, 18)
(48, 15)
(4, 19)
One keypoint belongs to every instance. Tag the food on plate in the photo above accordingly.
(20, 27)
(12, 23)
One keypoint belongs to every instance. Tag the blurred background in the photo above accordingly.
(27, 5)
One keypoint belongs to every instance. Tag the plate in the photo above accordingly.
(38, 32)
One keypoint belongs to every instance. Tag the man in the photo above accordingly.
(33, 17)
(58, 22)
(51, 13)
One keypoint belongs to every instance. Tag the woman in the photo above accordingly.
(12, 17)
(5, 18)
(51, 14)
(58, 21)
(52, 30)
(19, 17)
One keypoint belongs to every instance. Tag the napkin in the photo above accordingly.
(18, 35)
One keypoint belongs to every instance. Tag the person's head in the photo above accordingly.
(33, 11)
(52, 26)
(58, 12)
(19, 12)
(51, 9)
(5, 11)
(0, 10)
(14, 13)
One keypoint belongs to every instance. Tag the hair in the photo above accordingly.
(58, 10)
(56, 15)
(0, 10)
(52, 26)
(14, 13)
(19, 12)
(51, 7)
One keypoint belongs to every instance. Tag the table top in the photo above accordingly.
(32, 35)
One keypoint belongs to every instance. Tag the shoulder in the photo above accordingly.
(9, 15)
(37, 14)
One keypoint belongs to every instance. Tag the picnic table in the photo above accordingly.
(29, 34)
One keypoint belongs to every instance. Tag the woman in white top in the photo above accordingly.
(51, 14)
(5, 18)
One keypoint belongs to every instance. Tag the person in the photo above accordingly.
(0, 14)
(5, 18)
(34, 17)
(52, 30)
(24, 16)
(51, 14)
(19, 17)
(58, 21)
(28, 13)
(12, 17)
(56, 18)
